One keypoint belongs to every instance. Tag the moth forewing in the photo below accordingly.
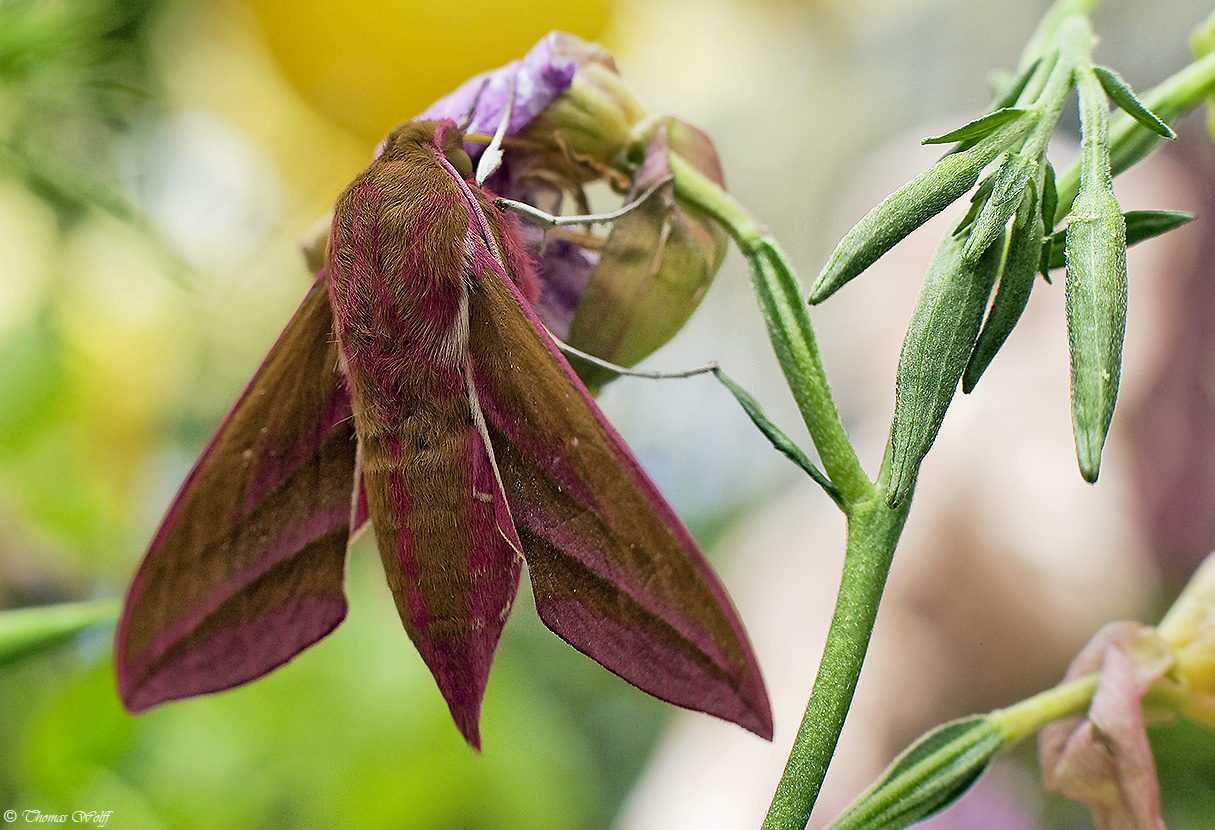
(247, 567)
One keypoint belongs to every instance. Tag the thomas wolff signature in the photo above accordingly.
(94, 817)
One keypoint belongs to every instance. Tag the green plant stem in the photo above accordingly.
(873, 528)
(1046, 35)
(1130, 141)
(1028, 716)
(873, 533)
(789, 327)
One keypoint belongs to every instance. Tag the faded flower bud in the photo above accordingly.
(583, 133)
(659, 258)
(1144, 675)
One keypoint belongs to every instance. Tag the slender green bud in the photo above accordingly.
(1007, 190)
(1015, 174)
(930, 775)
(1096, 287)
(936, 348)
(912, 205)
(1017, 277)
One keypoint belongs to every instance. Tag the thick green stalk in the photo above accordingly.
(873, 528)
(789, 327)
(873, 533)
(1067, 700)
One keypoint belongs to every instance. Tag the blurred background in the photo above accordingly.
(159, 161)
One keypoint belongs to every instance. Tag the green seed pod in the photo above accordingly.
(912, 205)
(1096, 320)
(1096, 287)
(928, 776)
(1017, 277)
(936, 348)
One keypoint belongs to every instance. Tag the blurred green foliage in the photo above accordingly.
(352, 733)
(74, 75)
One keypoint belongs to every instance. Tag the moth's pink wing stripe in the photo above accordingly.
(247, 566)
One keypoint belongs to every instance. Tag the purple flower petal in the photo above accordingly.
(540, 76)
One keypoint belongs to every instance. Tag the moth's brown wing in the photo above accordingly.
(247, 567)
(614, 571)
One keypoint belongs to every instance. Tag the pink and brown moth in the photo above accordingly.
(415, 389)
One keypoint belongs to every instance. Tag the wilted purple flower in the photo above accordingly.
(536, 78)
(659, 259)
(574, 122)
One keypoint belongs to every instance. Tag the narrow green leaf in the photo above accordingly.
(1050, 197)
(1050, 204)
(26, 631)
(1076, 39)
(1145, 224)
(910, 206)
(1009, 96)
(1140, 225)
(782, 442)
(792, 334)
(979, 128)
(1017, 276)
(936, 349)
(1096, 286)
(1121, 94)
(929, 776)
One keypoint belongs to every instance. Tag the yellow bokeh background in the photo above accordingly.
(369, 64)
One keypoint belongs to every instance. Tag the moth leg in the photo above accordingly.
(570, 351)
(548, 221)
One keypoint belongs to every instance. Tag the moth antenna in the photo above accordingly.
(472, 109)
(548, 221)
(567, 349)
(491, 159)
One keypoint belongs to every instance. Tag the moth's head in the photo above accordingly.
(410, 136)
(450, 140)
